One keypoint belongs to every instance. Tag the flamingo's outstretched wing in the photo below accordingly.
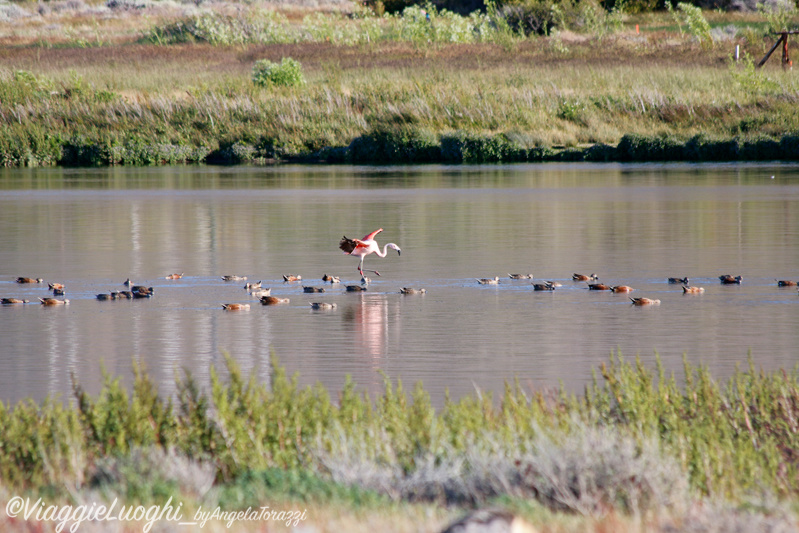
(371, 236)
(348, 245)
(353, 246)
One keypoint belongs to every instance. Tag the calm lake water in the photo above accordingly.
(632, 225)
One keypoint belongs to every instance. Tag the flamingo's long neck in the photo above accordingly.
(385, 250)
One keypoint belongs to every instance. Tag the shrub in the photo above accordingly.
(704, 148)
(397, 144)
(696, 22)
(287, 73)
(633, 147)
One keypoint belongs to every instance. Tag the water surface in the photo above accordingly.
(633, 225)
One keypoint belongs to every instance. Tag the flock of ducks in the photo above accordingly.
(595, 285)
(265, 297)
(255, 290)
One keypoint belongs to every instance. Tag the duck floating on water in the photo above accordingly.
(53, 301)
(236, 307)
(273, 300)
(644, 301)
(692, 290)
(355, 288)
(621, 288)
(13, 301)
(409, 290)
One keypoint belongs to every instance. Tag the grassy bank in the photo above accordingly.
(635, 445)
(422, 92)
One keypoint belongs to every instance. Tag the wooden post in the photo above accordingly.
(768, 55)
(786, 61)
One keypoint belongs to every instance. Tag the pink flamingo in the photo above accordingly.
(363, 247)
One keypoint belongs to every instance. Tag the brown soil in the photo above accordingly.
(239, 60)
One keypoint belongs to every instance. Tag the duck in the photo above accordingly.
(174, 276)
(681, 281)
(53, 301)
(58, 292)
(546, 286)
(727, 279)
(322, 305)
(520, 276)
(692, 290)
(125, 294)
(230, 277)
(260, 293)
(409, 290)
(127, 283)
(292, 277)
(29, 280)
(236, 307)
(272, 300)
(488, 281)
(331, 279)
(644, 301)
(622, 288)
(139, 291)
(583, 277)
(355, 288)
(786, 283)
(12, 301)
(598, 287)
(313, 289)
(251, 286)
(55, 286)
(107, 296)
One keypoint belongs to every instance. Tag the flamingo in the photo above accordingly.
(363, 247)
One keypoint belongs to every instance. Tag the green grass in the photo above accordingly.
(701, 438)
(382, 115)
(417, 91)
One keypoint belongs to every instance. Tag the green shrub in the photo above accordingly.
(287, 73)
(395, 144)
(789, 147)
(633, 147)
(760, 148)
(704, 148)
(696, 22)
